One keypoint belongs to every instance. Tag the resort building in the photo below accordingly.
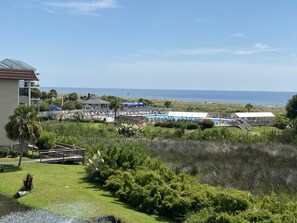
(256, 118)
(24, 85)
(11, 94)
(94, 103)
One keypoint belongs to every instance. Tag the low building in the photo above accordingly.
(256, 118)
(95, 103)
(10, 79)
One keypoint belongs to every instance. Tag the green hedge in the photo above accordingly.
(151, 186)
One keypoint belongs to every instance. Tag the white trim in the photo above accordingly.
(254, 114)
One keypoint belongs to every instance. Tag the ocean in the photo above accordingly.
(268, 98)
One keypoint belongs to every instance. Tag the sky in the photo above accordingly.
(248, 45)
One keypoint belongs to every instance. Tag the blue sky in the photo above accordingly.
(155, 44)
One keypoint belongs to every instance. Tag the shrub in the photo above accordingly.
(191, 126)
(230, 203)
(47, 140)
(206, 124)
(118, 155)
(129, 130)
(69, 105)
(282, 122)
(254, 215)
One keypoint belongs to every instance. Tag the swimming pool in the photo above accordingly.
(216, 121)
(166, 117)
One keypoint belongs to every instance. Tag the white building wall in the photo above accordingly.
(9, 99)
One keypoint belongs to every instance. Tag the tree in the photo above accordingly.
(52, 93)
(57, 102)
(45, 105)
(146, 102)
(69, 105)
(248, 107)
(167, 104)
(35, 93)
(72, 97)
(115, 104)
(291, 108)
(24, 127)
(44, 95)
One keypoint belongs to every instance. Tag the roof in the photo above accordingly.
(94, 101)
(131, 104)
(254, 114)
(2, 65)
(17, 74)
(55, 108)
(15, 64)
(188, 114)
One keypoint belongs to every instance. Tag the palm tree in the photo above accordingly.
(115, 104)
(23, 126)
(248, 107)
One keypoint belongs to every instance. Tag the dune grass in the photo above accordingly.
(214, 107)
(260, 168)
(62, 189)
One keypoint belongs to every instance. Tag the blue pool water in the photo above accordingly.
(165, 117)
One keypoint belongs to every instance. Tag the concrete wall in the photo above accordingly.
(9, 95)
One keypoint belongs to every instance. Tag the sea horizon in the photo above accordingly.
(267, 98)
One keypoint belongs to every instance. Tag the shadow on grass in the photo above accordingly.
(100, 187)
(96, 186)
(9, 168)
(130, 207)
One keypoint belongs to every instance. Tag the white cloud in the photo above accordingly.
(293, 54)
(80, 7)
(256, 49)
(237, 35)
(260, 46)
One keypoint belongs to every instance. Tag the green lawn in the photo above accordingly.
(63, 190)
(262, 129)
(255, 129)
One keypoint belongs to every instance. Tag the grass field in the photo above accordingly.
(62, 189)
(226, 108)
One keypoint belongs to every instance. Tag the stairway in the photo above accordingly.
(243, 125)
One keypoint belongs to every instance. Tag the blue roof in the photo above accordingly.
(55, 108)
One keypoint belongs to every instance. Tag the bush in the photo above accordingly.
(69, 105)
(254, 215)
(191, 126)
(206, 124)
(47, 140)
(179, 124)
(129, 130)
(282, 122)
(119, 155)
(230, 203)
